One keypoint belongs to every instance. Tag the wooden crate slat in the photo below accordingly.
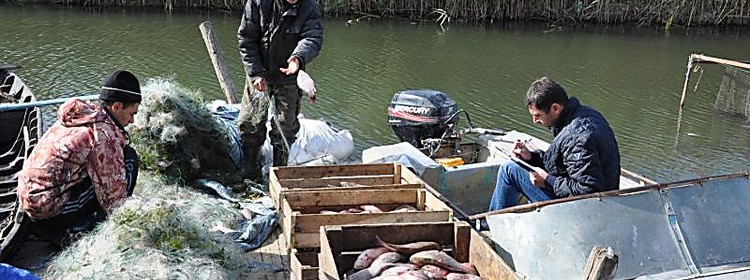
(331, 237)
(354, 187)
(304, 265)
(312, 223)
(353, 198)
(328, 182)
(485, 259)
(293, 172)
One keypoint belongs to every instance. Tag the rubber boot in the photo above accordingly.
(251, 168)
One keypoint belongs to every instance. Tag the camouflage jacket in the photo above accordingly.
(84, 142)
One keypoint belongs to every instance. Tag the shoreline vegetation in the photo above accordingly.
(666, 13)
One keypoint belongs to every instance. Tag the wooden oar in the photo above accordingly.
(20, 106)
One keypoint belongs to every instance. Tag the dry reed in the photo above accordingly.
(667, 13)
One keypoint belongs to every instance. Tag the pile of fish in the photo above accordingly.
(422, 260)
(364, 209)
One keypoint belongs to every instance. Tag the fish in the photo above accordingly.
(409, 275)
(306, 84)
(410, 248)
(399, 269)
(389, 257)
(351, 211)
(404, 208)
(414, 275)
(371, 208)
(365, 259)
(440, 259)
(434, 271)
(328, 212)
(370, 272)
(471, 268)
(460, 276)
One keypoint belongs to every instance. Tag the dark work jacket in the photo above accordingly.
(271, 31)
(583, 157)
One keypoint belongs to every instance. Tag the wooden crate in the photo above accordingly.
(340, 246)
(301, 220)
(311, 178)
(304, 264)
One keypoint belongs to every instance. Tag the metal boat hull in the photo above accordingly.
(698, 229)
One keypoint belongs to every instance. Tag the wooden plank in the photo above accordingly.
(340, 208)
(336, 181)
(462, 235)
(330, 237)
(356, 198)
(397, 173)
(304, 265)
(312, 222)
(293, 172)
(487, 262)
(362, 237)
(304, 235)
(352, 186)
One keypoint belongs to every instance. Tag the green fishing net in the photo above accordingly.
(175, 135)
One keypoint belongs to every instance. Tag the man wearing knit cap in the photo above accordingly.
(82, 167)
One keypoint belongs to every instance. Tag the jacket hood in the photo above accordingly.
(77, 112)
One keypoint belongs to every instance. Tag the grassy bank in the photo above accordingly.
(640, 12)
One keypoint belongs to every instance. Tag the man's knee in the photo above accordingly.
(509, 168)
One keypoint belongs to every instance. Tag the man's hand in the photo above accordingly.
(260, 84)
(538, 177)
(520, 151)
(293, 66)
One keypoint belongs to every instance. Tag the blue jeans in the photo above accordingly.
(512, 181)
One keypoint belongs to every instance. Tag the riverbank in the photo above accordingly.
(666, 13)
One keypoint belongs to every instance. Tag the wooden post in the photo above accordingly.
(602, 264)
(217, 58)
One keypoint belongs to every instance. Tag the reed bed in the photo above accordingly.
(641, 12)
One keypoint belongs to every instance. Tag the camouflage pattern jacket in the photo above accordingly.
(85, 142)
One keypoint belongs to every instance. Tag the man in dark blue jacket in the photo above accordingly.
(277, 38)
(582, 158)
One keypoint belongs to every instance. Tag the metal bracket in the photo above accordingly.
(677, 232)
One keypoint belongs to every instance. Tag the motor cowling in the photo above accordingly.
(418, 114)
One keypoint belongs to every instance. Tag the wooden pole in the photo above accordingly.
(217, 58)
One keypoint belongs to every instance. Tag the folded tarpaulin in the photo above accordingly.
(251, 233)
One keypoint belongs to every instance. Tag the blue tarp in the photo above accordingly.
(9, 272)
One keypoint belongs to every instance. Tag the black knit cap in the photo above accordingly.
(121, 86)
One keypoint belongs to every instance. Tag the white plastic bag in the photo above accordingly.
(317, 139)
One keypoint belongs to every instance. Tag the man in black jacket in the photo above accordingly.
(277, 38)
(582, 158)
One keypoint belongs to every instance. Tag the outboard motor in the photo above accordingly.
(418, 114)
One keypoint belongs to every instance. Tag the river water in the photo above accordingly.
(633, 76)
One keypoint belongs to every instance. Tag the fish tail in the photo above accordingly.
(384, 244)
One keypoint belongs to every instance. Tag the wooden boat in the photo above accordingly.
(21, 129)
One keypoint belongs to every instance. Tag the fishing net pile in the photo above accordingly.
(177, 136)
(733, 96)
(159, 233)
